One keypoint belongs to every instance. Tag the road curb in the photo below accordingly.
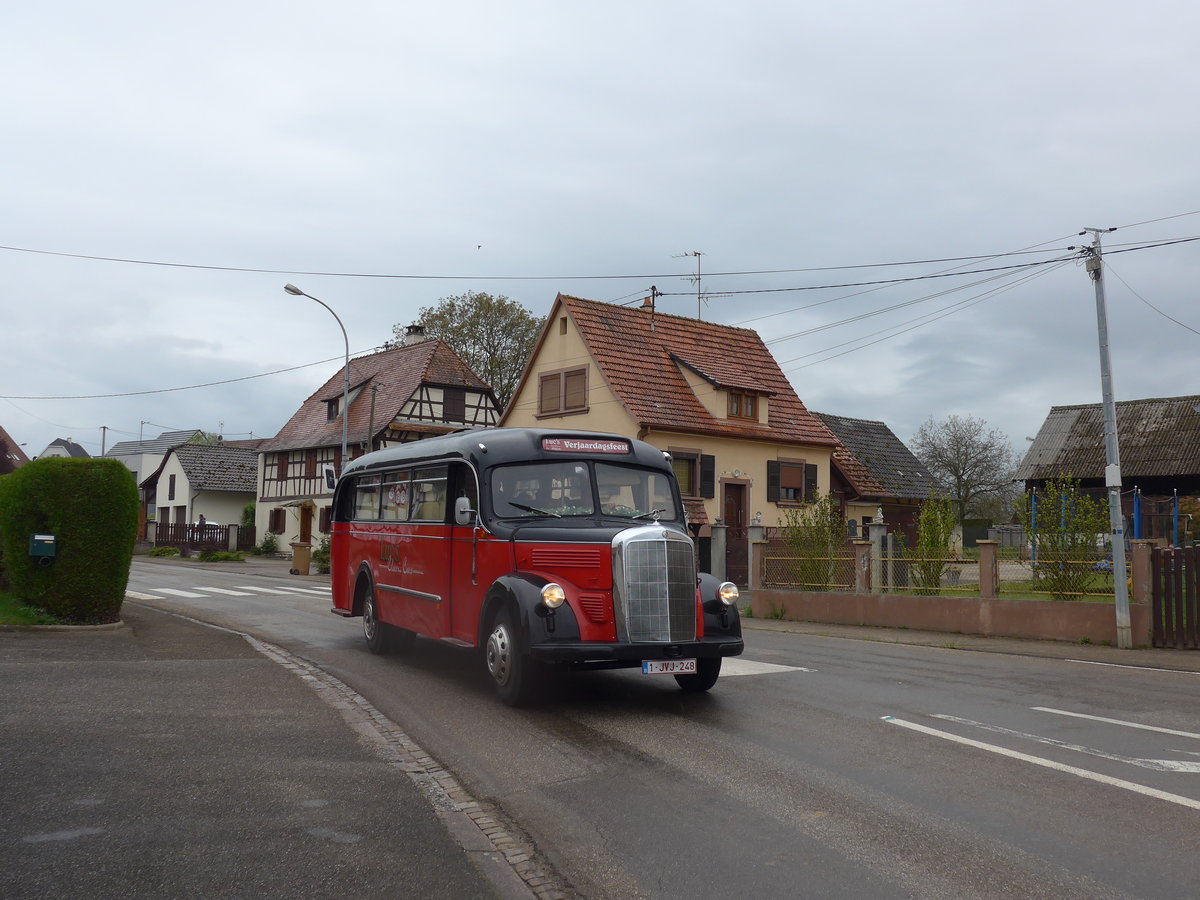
(509, 865)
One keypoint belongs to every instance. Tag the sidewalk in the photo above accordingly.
(1177, 660)
(170, 759)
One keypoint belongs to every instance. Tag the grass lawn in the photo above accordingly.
(14, 612)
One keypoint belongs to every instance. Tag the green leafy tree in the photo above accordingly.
(971, 462)
(493, 335)
(1066, 528)
(935, 531)
(816, 536)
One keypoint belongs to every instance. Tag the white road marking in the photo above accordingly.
(217, 590)
(261, 590)
(136, 596)
(1049, 764)
(1158, 765)
(734, 666)
(1063, 712)
(1092, 662)
(324, 593)
(176, 593)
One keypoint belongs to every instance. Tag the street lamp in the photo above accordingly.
(295, 291)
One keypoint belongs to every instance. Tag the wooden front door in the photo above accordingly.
(306, 517)
(737, 563)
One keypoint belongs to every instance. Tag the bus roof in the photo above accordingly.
(486, 447)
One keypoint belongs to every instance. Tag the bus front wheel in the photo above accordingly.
(513, 673)
(380, 636)
(707, 671)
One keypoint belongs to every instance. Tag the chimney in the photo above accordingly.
(648, 304)
(414, 334)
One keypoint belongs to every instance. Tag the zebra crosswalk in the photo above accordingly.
(196, 592)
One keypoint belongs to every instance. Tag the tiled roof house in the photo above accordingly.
(11, 455)
(743, 444)
(213, 480)
(402, 394)
(873, 470)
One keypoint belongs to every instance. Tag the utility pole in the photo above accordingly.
(103, 438)
(695, 278)
(1112, 450)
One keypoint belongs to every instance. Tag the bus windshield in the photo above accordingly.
(564, 489)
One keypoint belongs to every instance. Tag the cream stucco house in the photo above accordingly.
(743, 445)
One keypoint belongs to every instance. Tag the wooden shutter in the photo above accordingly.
(575, 389)
(323, 524)
(810, 483)
(549, 394)
(772, 481)
(708, 476)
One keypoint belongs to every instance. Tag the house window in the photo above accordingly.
(310, 463)
(562, 392)
(171, 487)
(695, 473)
(331, 408)
(742, 405)
(277, 520)
(323, 523)
(791, 482)
(454, 404)
(281, 467)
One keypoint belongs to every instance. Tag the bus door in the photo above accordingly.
(468, 561)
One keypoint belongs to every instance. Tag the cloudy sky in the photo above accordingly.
(382, 155)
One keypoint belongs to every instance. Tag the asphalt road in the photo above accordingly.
(818, 766)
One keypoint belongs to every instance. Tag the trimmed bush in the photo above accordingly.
(91, 507)
(165, 551)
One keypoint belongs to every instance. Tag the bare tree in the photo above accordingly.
(973, 463)
(493, 335)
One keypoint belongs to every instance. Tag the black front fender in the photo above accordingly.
(538, 624)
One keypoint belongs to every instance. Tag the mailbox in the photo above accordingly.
(43, 547)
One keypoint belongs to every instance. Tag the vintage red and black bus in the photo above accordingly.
(550, 550)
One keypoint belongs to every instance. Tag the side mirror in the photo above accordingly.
(463, 514)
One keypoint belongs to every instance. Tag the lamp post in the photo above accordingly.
(295, 291)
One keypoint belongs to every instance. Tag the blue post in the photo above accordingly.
(1137, 513)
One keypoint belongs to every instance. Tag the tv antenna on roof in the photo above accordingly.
(694, 279)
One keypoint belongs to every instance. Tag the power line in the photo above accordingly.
(188, 387)
(1108, 266)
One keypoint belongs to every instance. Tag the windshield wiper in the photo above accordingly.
(654, 512)
(534, 509)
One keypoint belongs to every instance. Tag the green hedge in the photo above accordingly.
(91, 508)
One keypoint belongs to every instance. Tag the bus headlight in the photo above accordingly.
(728, 593)
(554, 596)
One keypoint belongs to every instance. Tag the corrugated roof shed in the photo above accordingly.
(886, 458)
(639, 353)
(1158, 438)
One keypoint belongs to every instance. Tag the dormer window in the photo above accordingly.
(743, 405)
(331, 408)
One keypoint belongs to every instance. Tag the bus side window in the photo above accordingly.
(366, 497)
(396, 494)
(429, 494)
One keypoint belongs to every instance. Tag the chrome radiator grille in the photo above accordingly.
(654, 585)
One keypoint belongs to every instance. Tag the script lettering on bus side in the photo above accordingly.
(391, 560)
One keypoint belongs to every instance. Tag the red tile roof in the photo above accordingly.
(398, 373)
(639, 354)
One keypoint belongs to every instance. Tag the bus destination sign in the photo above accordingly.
(583, 445)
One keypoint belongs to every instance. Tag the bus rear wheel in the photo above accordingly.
(707, 672)
(381, 637)
(515, 675)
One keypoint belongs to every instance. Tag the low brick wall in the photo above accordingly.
(1053, 620)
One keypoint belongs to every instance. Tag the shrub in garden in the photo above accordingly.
(816, 536)
(320, 556)
(935, 531)
(165, 551)
(1066, 529)
(91, 508)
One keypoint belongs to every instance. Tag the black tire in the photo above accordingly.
(515, 676)
(378, 634)
(707, 671)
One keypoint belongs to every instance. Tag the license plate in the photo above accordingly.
(668, 666)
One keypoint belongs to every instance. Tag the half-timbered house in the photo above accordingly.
(403, 394)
